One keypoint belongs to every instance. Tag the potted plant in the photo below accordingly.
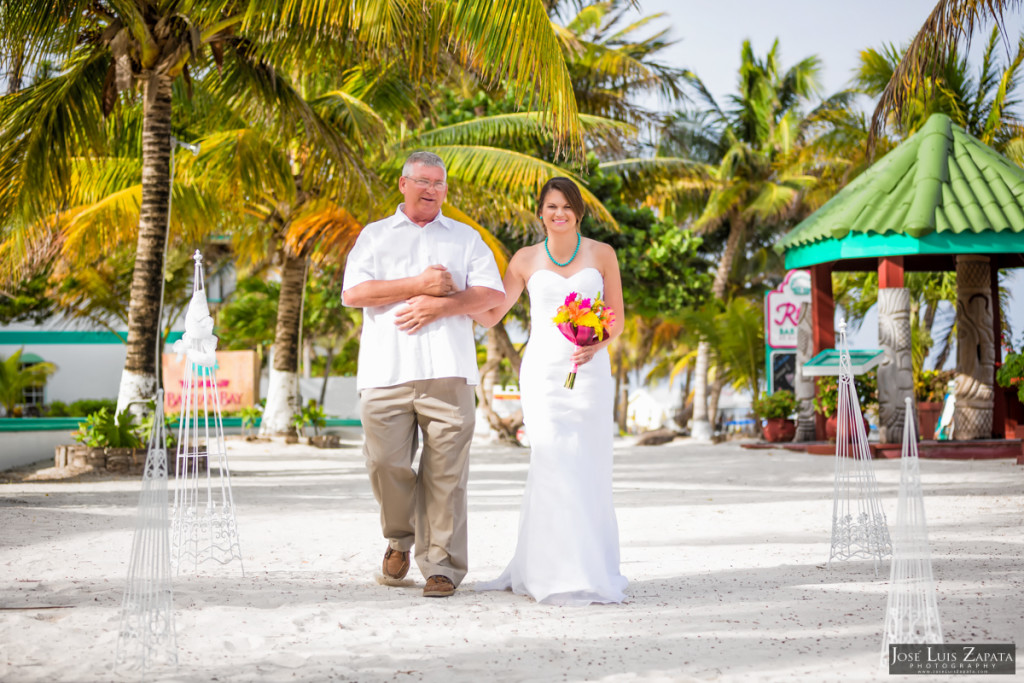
(930, 388)
(1011, 376)
(826, 400)
(775, 409)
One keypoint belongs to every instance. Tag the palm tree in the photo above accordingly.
(740, 169)
(104, 48)
(949, 22)
(611, 63)
(984, 105)
(15, 377)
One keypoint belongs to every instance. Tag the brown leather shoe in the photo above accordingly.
(396, 563)
(438, 587)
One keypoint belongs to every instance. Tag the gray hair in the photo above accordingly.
(423, 159)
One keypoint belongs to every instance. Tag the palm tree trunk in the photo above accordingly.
(685, 412)
(700, 428)
(505, 346)
(504, 427)
(138, 379)
(621, 391)
(732, 245)
(327, 372)
(282, 394)
(17, 70)
(715, 395)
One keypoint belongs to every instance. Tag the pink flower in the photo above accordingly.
(585, 303)
(571, 298)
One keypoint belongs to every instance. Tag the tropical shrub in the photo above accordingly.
(87, 406)
(103, 430)
(780, 404)
(312, 415)
(826, 399)
(1011, 373)
(930, 385)
(16, 376)
(250, 415)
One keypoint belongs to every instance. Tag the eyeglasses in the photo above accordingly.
(423, 183)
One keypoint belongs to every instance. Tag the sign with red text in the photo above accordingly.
(782, 309)
(235, 376)
(781, 317)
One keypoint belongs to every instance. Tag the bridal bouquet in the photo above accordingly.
(584, 322)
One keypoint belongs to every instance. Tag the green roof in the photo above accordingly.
(939, 192)
(827, 362)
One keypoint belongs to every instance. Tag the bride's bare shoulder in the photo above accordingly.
(600, 254)
(526, 260)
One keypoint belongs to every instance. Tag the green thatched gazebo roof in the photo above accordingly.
(939, 193)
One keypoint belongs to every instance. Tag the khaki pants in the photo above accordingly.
(426, 509)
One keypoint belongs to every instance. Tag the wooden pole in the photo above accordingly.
(823, 314)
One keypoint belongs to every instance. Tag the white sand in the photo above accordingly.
(725, 550)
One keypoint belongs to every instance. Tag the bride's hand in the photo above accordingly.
(583, 354)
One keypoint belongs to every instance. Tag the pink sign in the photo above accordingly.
(782, 309)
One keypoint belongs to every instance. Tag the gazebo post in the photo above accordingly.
(975, 365)
(896, 373)
(999, 427)
(823, 321)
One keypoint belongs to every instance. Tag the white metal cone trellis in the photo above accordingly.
(146, 636)
(911, 612)
(859, 529)
(203, 527)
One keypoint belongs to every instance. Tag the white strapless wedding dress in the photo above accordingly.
(568, 547)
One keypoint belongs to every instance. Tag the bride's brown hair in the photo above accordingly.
(572, 194)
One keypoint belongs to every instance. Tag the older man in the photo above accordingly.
(418, 276)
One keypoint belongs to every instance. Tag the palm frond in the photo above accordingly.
(352, 117)
(43, 127)
(509, 128)
(513, 40)
(948, 23)
(324, 230)
(501, 254)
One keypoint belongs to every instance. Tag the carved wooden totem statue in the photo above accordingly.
(972, 418)
(804, 386)
(896, 373)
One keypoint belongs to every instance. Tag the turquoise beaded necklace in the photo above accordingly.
(575, 251)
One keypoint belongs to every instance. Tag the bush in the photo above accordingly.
(249, 416)
(1011, 373)
(102, 430)
(145, 428)
(87, 406)
(780, 404)
(312, 415)
(930, 386)
(58, 409)
(826, 399)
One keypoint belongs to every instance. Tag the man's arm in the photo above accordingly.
(423, 310)
(435, 281)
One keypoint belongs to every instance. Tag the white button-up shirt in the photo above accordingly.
(396, 248)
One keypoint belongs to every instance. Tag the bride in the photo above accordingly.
(568, 547)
